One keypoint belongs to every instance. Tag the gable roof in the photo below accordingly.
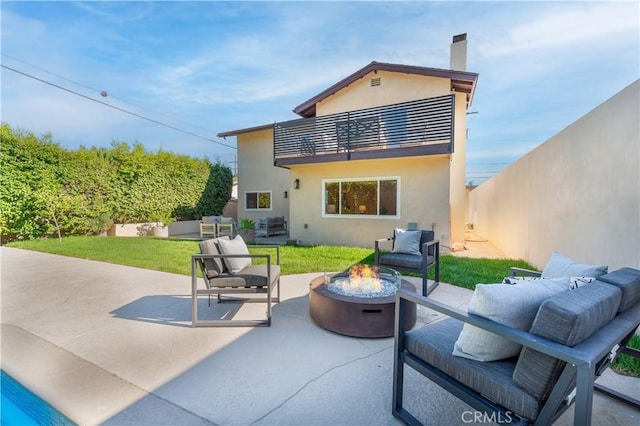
(461, 81)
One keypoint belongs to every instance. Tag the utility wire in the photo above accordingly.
(97, 90)
(115, 107)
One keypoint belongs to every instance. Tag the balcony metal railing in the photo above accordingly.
(419, 127)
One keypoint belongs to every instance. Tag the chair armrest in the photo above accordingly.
(436, 251)
(515, 271)
(377, 247)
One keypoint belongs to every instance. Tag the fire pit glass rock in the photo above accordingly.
(364, 281)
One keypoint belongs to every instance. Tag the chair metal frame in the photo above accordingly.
(197, 262)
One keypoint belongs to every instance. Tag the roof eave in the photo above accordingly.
(245, 130)
(308, 108)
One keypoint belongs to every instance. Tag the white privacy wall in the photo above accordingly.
(578, 193)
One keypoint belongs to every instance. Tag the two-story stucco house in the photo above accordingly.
(381, 149)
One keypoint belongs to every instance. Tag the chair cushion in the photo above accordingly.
(236, 246)
(627, 280)
(513, 305)
(213, 266)
(253, 276)
(210, 219)
(568, 319)
(407, 242)
(561, 266)
(403, 261)
(434, 343)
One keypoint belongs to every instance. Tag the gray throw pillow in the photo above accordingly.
(512, 305)
(407, 242)
(561, 266)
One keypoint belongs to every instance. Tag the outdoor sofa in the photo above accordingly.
(573, 337)
(267, 226)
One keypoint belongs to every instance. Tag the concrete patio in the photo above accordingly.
(110, 344)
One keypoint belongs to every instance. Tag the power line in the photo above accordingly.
(115, 107)
(98, 90)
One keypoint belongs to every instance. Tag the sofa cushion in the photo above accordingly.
(512, 305)
(561, 266)
(568, 319)
(434, 343)
(236, 246)
(214, 266)
(627, 280)
(406, 242)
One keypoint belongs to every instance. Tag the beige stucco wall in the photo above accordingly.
(257, 173)
(393, 88)
(577, 193)
(424, 183)
(398, 87)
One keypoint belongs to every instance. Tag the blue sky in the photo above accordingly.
(209, 67)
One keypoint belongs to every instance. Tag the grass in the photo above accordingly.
(174, 255)
(628, 365)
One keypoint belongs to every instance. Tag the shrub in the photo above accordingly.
(47, 190)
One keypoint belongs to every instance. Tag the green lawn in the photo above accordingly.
(173, 255)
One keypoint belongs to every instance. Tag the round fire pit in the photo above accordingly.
(359, 311)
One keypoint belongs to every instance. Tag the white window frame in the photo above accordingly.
(258, 209)
(361, 216)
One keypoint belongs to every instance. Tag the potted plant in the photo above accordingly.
(247, 229)
(160, 225)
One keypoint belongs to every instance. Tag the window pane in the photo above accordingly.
(264, 200)
(332, 197)
(388, 197)
(251, 200)
(359, 197)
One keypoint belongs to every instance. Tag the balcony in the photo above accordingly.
(422, 127)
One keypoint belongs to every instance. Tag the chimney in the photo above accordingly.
(458, 60)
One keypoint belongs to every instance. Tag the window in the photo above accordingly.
(361, 197)
(257, 200)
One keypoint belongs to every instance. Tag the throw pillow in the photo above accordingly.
(561, 266)
(512, 305)
(235, 246)
(575, 282)
(407, 242)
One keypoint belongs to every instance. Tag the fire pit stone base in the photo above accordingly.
(371, 317)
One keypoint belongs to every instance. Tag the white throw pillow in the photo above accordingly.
(512, 305)
(561, 266)
(235, 246)
(407, 242)
(576, 282)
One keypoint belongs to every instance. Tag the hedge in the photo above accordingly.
(47, 190)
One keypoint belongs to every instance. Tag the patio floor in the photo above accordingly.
(110, 344)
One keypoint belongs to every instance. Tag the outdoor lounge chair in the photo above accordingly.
(417, 256)
(574, 337)
(217, 226)
(234, 274)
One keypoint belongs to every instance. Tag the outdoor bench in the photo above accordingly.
(574, 337)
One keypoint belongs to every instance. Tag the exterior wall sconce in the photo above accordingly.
(286, 194)
(296, 184)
